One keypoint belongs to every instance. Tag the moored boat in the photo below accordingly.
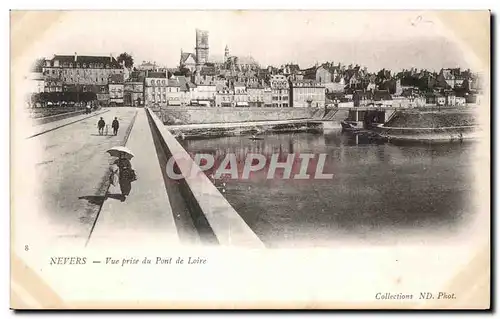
(350, 125)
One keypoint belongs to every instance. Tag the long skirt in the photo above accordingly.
(125, 186)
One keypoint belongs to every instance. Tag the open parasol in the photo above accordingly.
(120, 150)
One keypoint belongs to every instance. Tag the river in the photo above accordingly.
(379, 192)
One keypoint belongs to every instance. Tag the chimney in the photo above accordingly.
(76, 56)
(110, 57)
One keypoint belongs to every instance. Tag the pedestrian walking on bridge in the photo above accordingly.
(122, 166)
(115, 125)
(100, 125)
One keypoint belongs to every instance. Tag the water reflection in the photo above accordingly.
(377, 188)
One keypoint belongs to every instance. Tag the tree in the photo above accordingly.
(129, 61)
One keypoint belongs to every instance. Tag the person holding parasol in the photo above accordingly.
(123, 168)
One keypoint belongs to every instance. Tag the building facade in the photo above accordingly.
(116, 90)
(204, 95)
(134, 89)
(174, 93)
(307, 93)
(268, 97)
(240, 94)
(280, 91)
(224, 98)
(255, 95)
(155, 89)
(81, 74)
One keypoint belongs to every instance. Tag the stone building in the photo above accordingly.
(80, 73)
(240, 94)
(174, 93)
(307, 93)
(116, 89)
(280, 91)
(255, 95)
(224, 97)
(134, 90)
(155, 89)
(204, 95)
(188, 61)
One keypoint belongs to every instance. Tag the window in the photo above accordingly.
(163, 82)
(152, 82)
(158, 82)
(85, 65)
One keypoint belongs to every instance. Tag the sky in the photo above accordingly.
(391, 40)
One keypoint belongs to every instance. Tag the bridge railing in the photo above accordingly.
(214, 218)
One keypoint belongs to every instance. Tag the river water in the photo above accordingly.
(379, 192)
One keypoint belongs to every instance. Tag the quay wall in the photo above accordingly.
(237, 129)
(215, 219)
(430, 126)
(418, 119)
(204, 115)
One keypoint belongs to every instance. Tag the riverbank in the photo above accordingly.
(428, 126)
(209, 130)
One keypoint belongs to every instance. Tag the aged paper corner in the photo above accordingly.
(28, 290)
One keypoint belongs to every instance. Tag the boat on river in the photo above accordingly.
(350, 125)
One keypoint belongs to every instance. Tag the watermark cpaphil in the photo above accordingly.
(297, 166)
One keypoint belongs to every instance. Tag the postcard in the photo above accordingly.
(250, 159)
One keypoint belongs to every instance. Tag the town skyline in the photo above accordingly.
(421, 49)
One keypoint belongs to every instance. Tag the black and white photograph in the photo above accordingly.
(197, 149)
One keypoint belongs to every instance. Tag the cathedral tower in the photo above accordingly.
(201, 46)
(226, 54)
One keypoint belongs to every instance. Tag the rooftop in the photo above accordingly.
(186, 55)
(159, 75)
(100, 61)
